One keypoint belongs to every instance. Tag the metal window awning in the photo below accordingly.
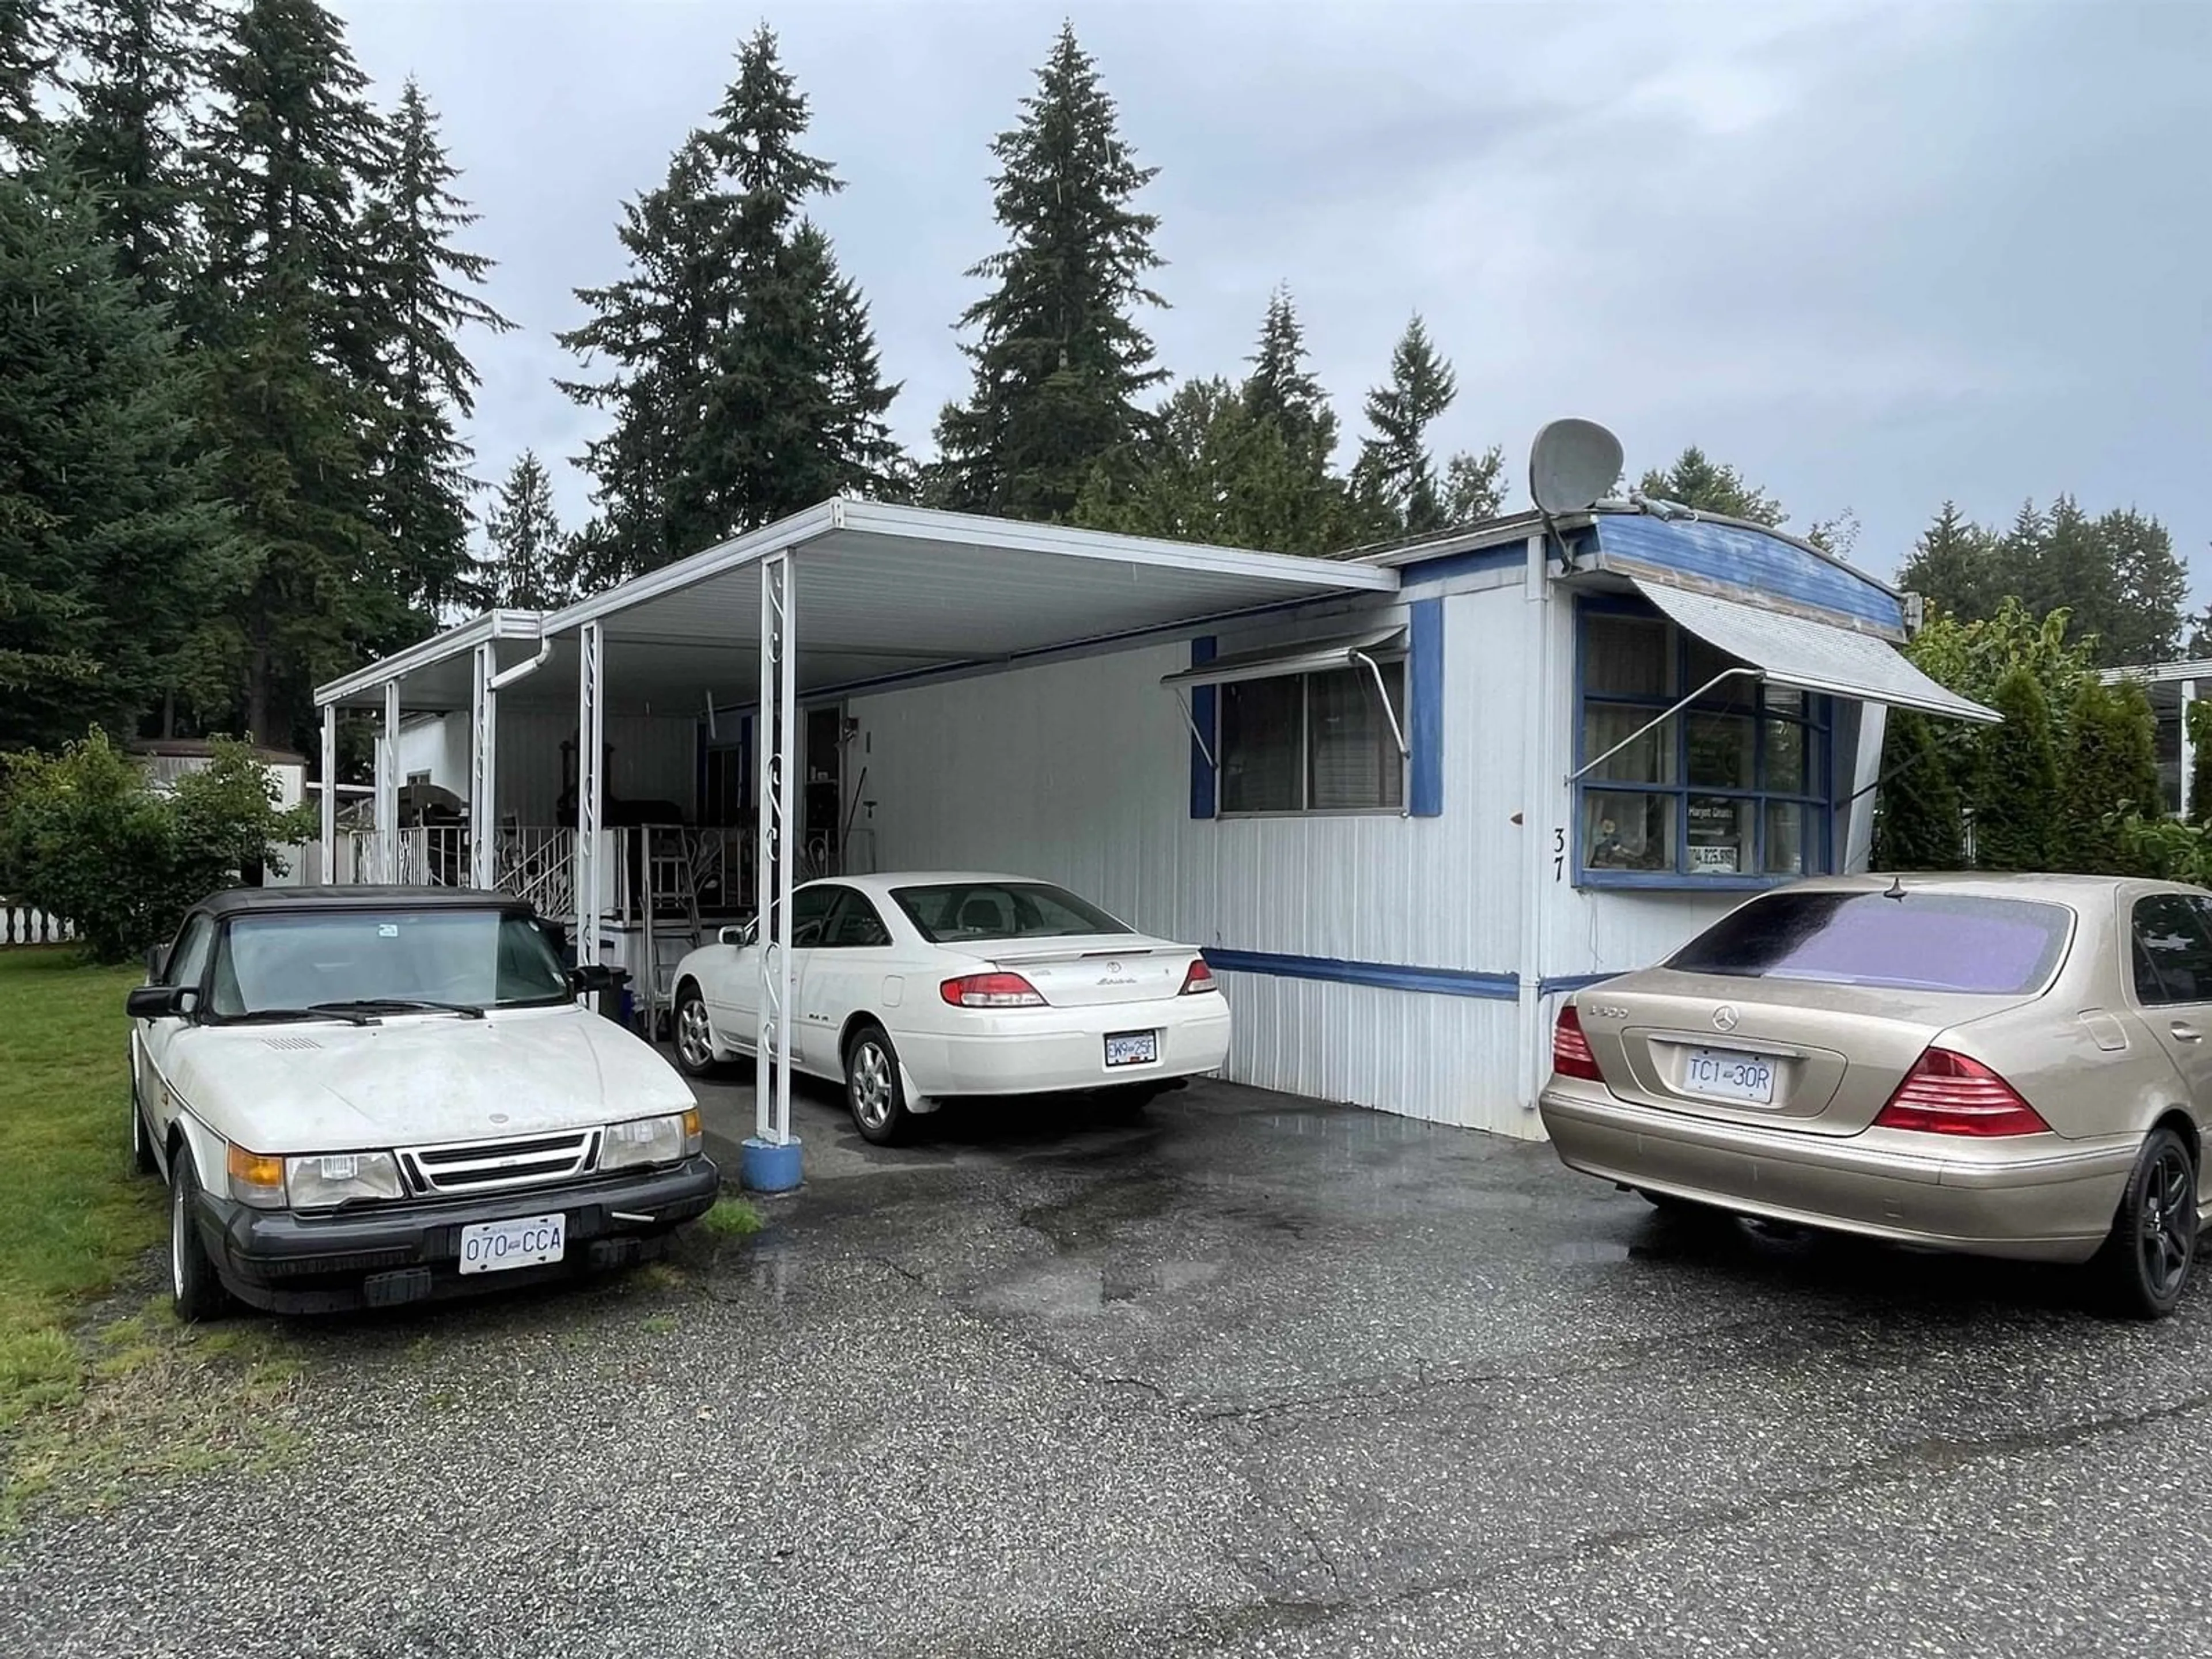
(1298, 657)
(1812, 656)
(1369, 650)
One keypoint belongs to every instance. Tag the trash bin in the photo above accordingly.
(614, 1002)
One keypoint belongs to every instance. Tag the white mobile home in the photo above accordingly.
(1403, 802)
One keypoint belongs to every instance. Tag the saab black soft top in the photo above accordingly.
(236, 900)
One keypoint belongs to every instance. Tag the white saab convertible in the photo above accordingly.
(372, 1095)
(913, 989)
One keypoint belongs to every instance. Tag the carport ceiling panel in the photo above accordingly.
(914, 603)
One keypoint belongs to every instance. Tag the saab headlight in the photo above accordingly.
(668, 1139)
(323, 1181)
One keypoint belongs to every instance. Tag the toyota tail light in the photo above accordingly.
(990, 991)
(1197, 977)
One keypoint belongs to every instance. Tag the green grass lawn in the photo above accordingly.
(72, 1216)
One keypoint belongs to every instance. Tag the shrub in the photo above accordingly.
(2017, 797)
(2110, 768)
(1917, 826)
(84, 837)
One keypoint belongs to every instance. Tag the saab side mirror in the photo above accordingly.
(594, 976)
(159, 1002)
(153, 963)
(740, 935)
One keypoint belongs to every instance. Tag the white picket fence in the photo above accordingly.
(21, 926)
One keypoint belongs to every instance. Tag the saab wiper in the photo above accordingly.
(399, 1006)
(327, 1011)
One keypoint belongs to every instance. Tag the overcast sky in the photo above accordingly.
(1875, 257)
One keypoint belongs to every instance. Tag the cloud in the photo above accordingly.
(1876, 256)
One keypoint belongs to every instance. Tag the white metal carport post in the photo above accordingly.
(2188, 745)
(330, 830)
(771, 1158)
(591, 734)
(387, 788)
(484, 770)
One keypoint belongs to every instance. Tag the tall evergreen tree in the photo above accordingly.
(1395, 478)
(1217, 473)
(2070, 567)
(1696, 481)
(295, 361)
(2017, 782)
(1474, 486)
(425, 294)
(25, 57)
(111, 544)
(525, 571)
(1060, 362)
(2152, 586)
(1917, 824)
(1281, 387)
(745, 380)
(137, 67)
(1954, 565)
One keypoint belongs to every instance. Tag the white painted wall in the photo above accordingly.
(1079, 772)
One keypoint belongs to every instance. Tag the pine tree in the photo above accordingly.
(2016, 796)
(658, 329)
(1060, 364)
(1917, 825)
(2111, 766)
(25, 58)
(294, 359)
(2071, 569)
(526, 570)
(424, 295)
(111, 544)
(1474, 486)
(1696, 480)
(2153, 585)
(744, 380)
(1218, 474)
(1281, 387)
(1395, 478)
(1953, 566)
(137, 67)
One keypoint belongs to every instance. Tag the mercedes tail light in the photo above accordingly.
(990, 991)
(1570, 1049)
(1197, 977)
(1947, 1094)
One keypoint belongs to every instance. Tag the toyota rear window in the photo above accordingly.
(1917, 941)
(964, 910)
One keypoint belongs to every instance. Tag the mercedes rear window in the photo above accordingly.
(1916, 942)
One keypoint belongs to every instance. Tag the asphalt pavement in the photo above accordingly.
(1252, 1377)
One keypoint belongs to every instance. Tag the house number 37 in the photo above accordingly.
(1558, 854)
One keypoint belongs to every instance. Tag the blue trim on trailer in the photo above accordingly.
(1389, 977)
(1202, 781)
(1751, 561)
(1446, 566)
(1425, 694)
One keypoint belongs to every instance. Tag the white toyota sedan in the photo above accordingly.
(913, 989)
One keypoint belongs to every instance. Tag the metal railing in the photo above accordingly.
(20, 925)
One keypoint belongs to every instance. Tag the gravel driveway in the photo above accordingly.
(1256, 1377)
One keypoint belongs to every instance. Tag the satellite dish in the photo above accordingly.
(1571, 464)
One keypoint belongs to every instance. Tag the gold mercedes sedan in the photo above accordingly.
(2007, 1066)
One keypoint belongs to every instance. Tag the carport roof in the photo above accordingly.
(881, 594)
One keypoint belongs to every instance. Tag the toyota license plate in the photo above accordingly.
(1133, 1048)
(528, 1241)
(1728, 1074)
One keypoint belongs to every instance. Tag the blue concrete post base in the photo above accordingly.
(765, 1167)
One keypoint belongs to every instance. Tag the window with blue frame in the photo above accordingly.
(1736, 784)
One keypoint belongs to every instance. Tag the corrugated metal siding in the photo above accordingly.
(1077, 773)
